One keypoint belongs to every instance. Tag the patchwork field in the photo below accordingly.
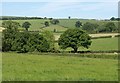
(35, 67)
(28, 67)
(37, 25)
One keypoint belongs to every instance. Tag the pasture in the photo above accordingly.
(101, 44)
(35, 67)
(41, 67)
(38, 25)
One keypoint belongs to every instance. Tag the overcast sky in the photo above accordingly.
(62, 9)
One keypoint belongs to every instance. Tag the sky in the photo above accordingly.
(75, 9)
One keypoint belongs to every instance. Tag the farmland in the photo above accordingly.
(52, 67)
(34, 67)
(37, 25)
(101, 44)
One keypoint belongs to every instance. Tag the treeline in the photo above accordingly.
(89, 27)
(14, 40)
(25, 41)
(19, 18)
(108, 27)
(114, 19)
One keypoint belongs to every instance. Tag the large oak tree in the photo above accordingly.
(74, 38)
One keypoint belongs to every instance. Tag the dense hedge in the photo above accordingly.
(117, 35)
(88, 55)
(101, 37)
(26, 42)
(18, 18)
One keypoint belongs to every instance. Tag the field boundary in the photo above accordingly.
(87, 55)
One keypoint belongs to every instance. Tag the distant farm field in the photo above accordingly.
(38, 25)
(29, 67)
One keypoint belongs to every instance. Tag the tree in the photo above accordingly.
(8, 35)
(30, 42)
(50, 18)
(10, 25)
(90, 27)
(54, 30)
(74, 38)
(46, 23)
(101, 29)
(69, 17)
(50, 39)
(45, 17)
(78, 24)
(54, 21)
(20, 43)
(26, 25)
(113, 18)
(38, 43)
(110, 27)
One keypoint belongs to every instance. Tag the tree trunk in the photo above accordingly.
(26, 29)
(75, 49)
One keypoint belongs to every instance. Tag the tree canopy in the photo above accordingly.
(90, 27)
(26, 25)
(74, 38)
(8, 35)
(50, 39)
(54, 21)
(78, 24)
(30, 42)
(46, 23)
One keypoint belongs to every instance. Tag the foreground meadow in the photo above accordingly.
(36, 67)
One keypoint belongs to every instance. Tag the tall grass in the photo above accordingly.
(29, 67)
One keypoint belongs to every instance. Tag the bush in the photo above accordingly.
(101, 37)
(20, 43)
(50, 39)
(29, 42)
(117, 35)
(8, 35)
(54, 21)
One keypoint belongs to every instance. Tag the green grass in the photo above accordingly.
(36, 25)
(105, 44)
(70, 23)
(101, 44)
(29, 67)
(57, 27)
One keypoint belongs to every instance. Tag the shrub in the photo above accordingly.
(29, 42)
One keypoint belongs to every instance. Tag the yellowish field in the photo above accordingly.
(1, 29)
(93, 35)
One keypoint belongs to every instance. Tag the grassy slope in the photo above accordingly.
(102, 44)
(71, 23)
(57, 27)
(105, 44)
(64, 23)
(47, 67)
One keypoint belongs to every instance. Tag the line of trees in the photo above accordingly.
(96, 28)
(18, 18)
(52, 21)
(114, 19)
(14, 40)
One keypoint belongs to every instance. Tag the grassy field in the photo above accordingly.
(28, 67)
(37, 25)
(101, 44)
